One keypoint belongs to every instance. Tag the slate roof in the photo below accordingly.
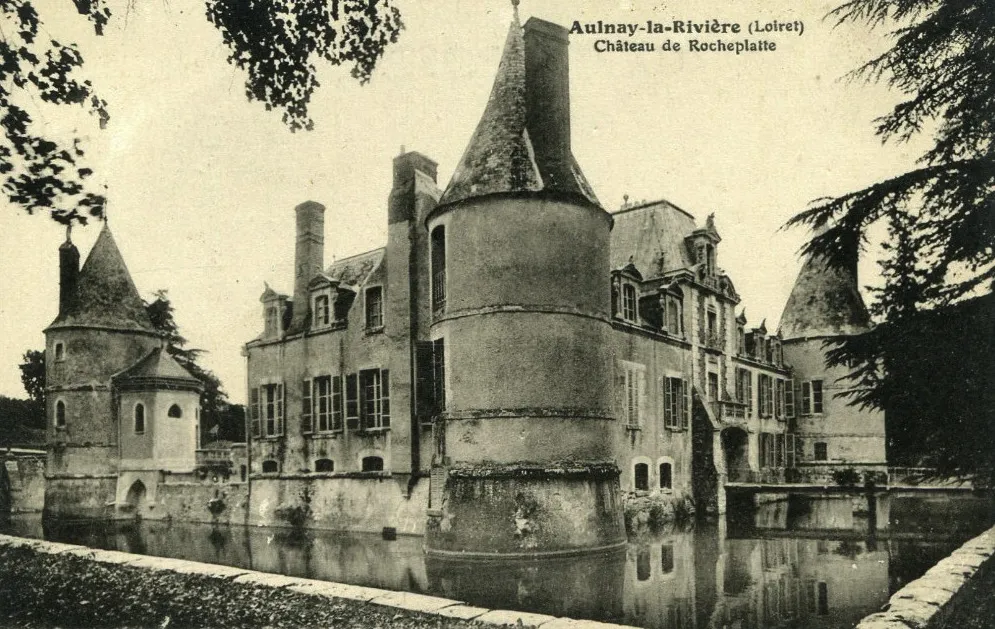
(356, 270)
(643, 231)
(500, 156)
(825, 301)
(105, 295)
(157, 367)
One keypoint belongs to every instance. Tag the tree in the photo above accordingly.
(219, 419)
(33, 377)
(940, 220)
(277, 42)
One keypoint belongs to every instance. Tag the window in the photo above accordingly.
(372, 464)
(272, 321)
(667, 559)
(779, 408)
(139, 415)
(266, 409)
(666, 476)
(641, 477)
(324, 465)
(821, 451)
(789, 399)
(823, 599)
(270, 467)
(322, 311)
(744, 389)
(243, 472)
(812, 397)
(374, 308)
(175, 411)
(712, 323)
(439, 268)
(676, 403)
(374, 392)
(632, 385)
(60, 351)
(306, 406)
(60, 414)
(322, 403)
(430, 378)
(740, 341)
(765, 401)
(629, 312)
(713, 386)
(673, 316)
(643, 571)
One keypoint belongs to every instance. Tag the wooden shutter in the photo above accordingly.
(686, 414)
(352, 401)
(806, 398)
(789, 450)
(749, 393)
(668, 401)
(254, 411)
(789, 398)
(385, 398)
(279, 409)
(337, 403)
(306, 408)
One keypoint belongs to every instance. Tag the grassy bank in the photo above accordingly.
(49, 590)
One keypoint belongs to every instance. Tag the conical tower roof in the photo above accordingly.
(501, 156)
(105, 295)
(825, 301)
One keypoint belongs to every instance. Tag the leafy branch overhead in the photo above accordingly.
(278, 43)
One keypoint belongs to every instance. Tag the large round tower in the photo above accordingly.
(102, 328)
(521, 306)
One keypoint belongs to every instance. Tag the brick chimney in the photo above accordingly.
(308, 256)
(68, 271)
(547, 99)
(400, 206)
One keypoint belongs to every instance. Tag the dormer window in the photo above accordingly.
(272, 320)
(322, 311)
(629, 310)
(374, 308)
(740, 340)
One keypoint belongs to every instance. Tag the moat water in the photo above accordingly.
(796, 563)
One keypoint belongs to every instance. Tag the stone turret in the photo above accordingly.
(521, 304)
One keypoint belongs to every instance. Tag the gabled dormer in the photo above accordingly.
(702, 244)
(756, 342)
(275, 307)
(741, 333)
(322, 294)
(672, 307)
(625, 292)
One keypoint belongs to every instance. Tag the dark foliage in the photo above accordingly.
(940, 244)
(21, 423)
(33, 377)
(277, 42)
(219, 420)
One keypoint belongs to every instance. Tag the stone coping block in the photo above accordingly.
(917, 604)
(408, 601)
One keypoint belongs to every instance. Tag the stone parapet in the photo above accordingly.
(926, 602)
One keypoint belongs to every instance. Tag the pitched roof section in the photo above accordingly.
(158, 369)
(825, 301)
(356, 270)
(500, 156)
(644, 232)
(105, 295)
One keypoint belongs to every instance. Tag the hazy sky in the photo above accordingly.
(202, 184)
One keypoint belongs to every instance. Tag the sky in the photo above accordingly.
(202, 183)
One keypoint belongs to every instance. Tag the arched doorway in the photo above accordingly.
(734, 447)
(135, 501)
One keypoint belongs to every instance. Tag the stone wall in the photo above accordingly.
(27, 481)
(928, 601)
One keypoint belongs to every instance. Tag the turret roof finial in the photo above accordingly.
(69, 232)
(514, 5)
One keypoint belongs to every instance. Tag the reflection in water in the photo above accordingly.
(802, 562)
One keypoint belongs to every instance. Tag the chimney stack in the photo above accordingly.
(401, 204)
(308, 257)
(68, 271)
(547, 94)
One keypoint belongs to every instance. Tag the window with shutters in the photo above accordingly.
(779, 406)
(674, 413)
(632, 387)
(323, 403)
(266, 410)
(374, 393)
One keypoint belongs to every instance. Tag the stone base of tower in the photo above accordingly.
(526, 510)
(83, 497)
